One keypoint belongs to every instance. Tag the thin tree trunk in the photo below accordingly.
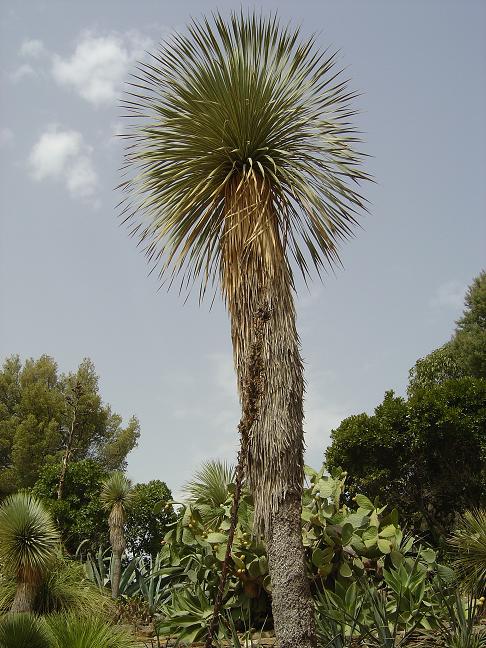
(65, 460)
(24, 597)
(62, 476)
(255, 276)
(116, 576)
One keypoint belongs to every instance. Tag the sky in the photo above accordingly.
(73, 284)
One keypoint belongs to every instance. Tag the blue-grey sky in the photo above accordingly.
(73, 284)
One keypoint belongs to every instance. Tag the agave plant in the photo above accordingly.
(468, 544)
(458, 626)
(116, 493)
(242, 169)
(28, 543)
(24, 630)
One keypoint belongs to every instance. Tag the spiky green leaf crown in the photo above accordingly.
(239, 101)
(116, 490)
(28, 535)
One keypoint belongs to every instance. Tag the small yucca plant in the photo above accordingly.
(468, 544)
(72, 631)
(24, 630)
(28, 543)
(116, 494)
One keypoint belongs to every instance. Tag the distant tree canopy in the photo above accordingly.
(80, 515)
(47, 418)
(465, 353)
(145, 527)
(426, 455)
(469, 340)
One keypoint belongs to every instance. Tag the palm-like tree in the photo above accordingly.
(28, 543)
(116, 493)
(242, 168)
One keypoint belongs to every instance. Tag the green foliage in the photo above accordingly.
(64, 587)
(45, 417)
(99, 570)
(435, 368)
(61, 631)
(408, 600)
(116, 491)
(449, 449)
(469, 341)
(275, 111)
(31, 408)
(465, 354)
(72, 631)
(208, 490)
(343, 541)
(146, 527)
(143, 577)
(468, 544)
(28, 535)
(425, 456)
(79, 514)
(187, 616)
(24, 630)
(458, 626)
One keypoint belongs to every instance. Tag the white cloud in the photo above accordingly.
(449, 295)
(50, 154)
(99, 64)
(81, 178)
(6, 137)
(32, 48)
(64, 157)
(21, 72)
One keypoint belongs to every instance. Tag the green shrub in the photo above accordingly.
(72, 631)
(24, 630)
(63, 588)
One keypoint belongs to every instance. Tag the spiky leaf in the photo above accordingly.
(28, 535)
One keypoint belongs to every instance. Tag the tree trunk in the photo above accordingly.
(116, 576)
(24, 597)
(62, 476)
(293, 614)
(65, 460)
(255, 277)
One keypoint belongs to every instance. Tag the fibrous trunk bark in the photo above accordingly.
(24, 597)
(255, 276)
(116, 575)
(293, 613)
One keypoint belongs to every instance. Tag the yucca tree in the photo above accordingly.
(242, 169)
(116, 493)
(28, 543)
